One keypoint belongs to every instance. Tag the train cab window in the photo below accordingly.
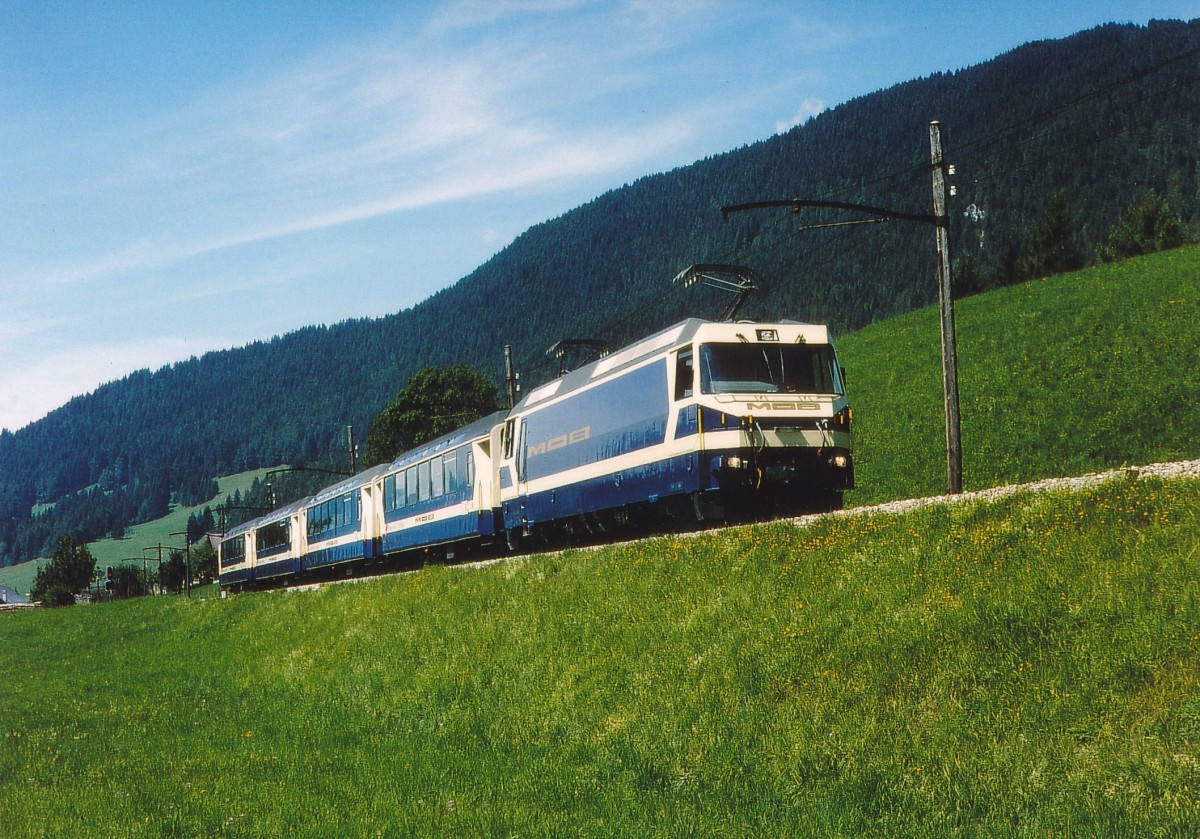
(768, 368)
(684, 374)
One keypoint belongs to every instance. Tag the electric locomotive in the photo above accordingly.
(708, 420)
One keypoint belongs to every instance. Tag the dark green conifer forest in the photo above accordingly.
(1055, 145)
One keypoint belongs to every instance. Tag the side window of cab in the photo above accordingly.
(509, 427)
(684, 374)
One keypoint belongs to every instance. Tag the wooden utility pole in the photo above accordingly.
(946, 304)
(510, 379)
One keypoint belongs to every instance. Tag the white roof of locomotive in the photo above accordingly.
(681, 334)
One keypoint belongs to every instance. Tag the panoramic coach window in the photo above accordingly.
(410, 479)
(271, 536)
(423, 481)
(331, 515)
(389, 492)
(233, 551)
(437, 477)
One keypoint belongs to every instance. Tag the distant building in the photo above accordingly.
(10, 599)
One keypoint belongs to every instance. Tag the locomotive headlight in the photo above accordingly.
(733, 462)
(840, 461)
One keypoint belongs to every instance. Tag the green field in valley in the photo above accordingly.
(1027, 666)
(131, 548)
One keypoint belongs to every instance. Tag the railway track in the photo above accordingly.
(1179, 470)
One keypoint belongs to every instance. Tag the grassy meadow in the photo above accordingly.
(1073, 374)
(1025, 667)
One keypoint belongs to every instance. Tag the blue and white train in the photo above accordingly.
(700, 422)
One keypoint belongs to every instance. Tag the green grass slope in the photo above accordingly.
(1063, 376)
(158, 532)
(1027, 667)
(20, 577)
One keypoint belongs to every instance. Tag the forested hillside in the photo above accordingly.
(1052, 144)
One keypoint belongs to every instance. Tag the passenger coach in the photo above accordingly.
(441, 495)
(342, 522)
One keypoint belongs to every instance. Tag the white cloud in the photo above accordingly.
(354, 134)
(809, 108)
(172, 207)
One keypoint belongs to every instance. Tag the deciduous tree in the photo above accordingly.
(69, 572)
(1147, 226)
(434, 401)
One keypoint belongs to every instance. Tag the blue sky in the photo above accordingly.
(177, 177)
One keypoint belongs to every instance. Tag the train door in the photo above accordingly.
(480, 478)
(521, 456)
(371, 517)
(498, 441)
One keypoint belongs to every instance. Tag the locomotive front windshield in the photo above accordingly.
(769, 368)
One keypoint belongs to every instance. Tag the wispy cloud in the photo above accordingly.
(254, 190)
(365, 131)
(809, 108)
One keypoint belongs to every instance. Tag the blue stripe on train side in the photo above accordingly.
(688, 422)
(278, 568)
(651, 482)
(718, 421)
(358, 549)
(621, 416)
(453, 529)
(239, 575)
